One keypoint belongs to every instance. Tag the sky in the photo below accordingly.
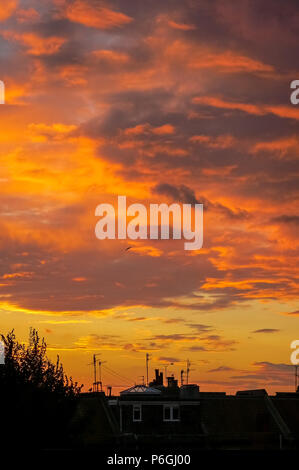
(179, 101)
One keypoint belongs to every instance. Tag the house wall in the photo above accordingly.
(152, 422)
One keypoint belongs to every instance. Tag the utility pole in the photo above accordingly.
(147, 359)
(187, 371)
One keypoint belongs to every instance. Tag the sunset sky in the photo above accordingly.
(167, 101)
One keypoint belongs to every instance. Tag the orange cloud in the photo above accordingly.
(14, 307)
(7, 8)
(64, 322)
(281, 146)
(17, 275)
(202, 57)
(74, 74)
(148, 250)
(43, 132)
(258, 110)
(230, 62)
(181, 26)
(137, 130)
(164, 130)
(146, 128)
(284, 111)
(220, 103)
(95, 342)
(111, 56)
(15, 92)
(95, 17)
(36, 45)
(28, 16)
(220, 141)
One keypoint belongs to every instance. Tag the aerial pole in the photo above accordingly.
(95, 368)
(147, 359)
(187, 371)
(166, 367)
(94, 363)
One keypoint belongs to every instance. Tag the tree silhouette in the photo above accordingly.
(37, 399)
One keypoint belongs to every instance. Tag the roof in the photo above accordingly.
(141, 389)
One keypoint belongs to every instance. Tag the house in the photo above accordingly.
(182, 417)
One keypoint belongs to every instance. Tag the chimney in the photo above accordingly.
(161, 378)
(172, 383)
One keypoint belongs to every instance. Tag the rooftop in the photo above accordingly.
(141, 389)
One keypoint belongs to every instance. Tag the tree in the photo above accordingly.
(37, 397)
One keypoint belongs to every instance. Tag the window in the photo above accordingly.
(166, 413)
(136, 412)
(175, 413)
(171, 413)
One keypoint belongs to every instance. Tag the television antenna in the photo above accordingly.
(94, 364)
(187, 371)
(166, 367)
(147, 359)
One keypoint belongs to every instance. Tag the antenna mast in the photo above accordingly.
(166, 367)
(187, 371)
(94, 363)
(147, 359)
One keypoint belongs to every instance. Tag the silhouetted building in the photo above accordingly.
(158, 415)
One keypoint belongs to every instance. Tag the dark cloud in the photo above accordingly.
(266, 330)
(296, 312)
(278, 374)
(286, 219)
(199, 327)
(174, 320)
(186, 195)
(221, 369)
(197, 349)
(175, 337)
(181, 194)
(168, 359)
